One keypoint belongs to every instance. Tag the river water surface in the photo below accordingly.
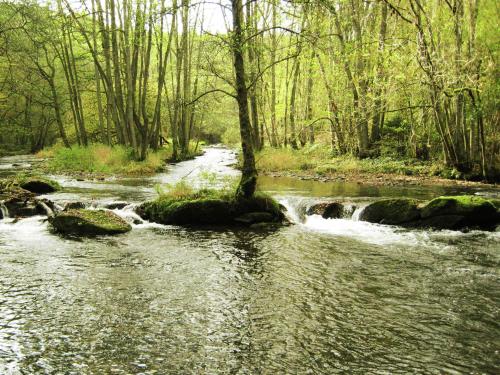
(317, 297)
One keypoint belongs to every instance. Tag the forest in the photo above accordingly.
(412, 79)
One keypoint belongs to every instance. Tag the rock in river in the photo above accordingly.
(391, 211)
(39, 185)
(198, 210)
(89, 222)
(456, 212)
(328, 210)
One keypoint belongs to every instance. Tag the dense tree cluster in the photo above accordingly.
(409, 78)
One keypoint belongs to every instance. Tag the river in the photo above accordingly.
(318, 297)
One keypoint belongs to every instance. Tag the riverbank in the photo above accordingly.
(377, 179)
(99, 161)
(317, 164)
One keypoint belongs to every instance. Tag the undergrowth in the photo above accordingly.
(318, 159)
(102, 159)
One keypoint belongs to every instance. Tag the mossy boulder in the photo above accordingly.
(39, 185)
(473, 211)
(391, 211)
(199, 210)
(89, 222)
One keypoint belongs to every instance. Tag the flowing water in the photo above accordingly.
(318, 297)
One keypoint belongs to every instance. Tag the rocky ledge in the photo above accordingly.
(446, 212)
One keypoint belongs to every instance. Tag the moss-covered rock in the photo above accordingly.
(39, 185)
(391, 211)
(89, 222)
(475, 211)
(198, 210)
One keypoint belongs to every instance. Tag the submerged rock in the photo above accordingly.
(39, 185)
(89, 222)
(211, 211)
(391, 211)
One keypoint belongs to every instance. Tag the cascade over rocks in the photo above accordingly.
(330, 210)
(18, 196)
(447, 212)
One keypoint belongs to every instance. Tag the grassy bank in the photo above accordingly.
(318, 160)
(102, 159)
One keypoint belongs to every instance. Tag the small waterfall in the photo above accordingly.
(295, 208)
(4, 210)
(128, 213)
(357, 213)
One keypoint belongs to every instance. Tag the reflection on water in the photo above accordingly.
(319, 297)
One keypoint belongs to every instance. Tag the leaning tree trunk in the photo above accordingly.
(248, 181)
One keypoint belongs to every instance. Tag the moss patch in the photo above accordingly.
(205, 208)
(391, 211)
(89, 222)
(463, 205)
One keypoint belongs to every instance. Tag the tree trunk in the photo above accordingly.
(248, 180)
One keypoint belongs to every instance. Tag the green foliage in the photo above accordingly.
(183, 189)
(318, 159)
(103, 159)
